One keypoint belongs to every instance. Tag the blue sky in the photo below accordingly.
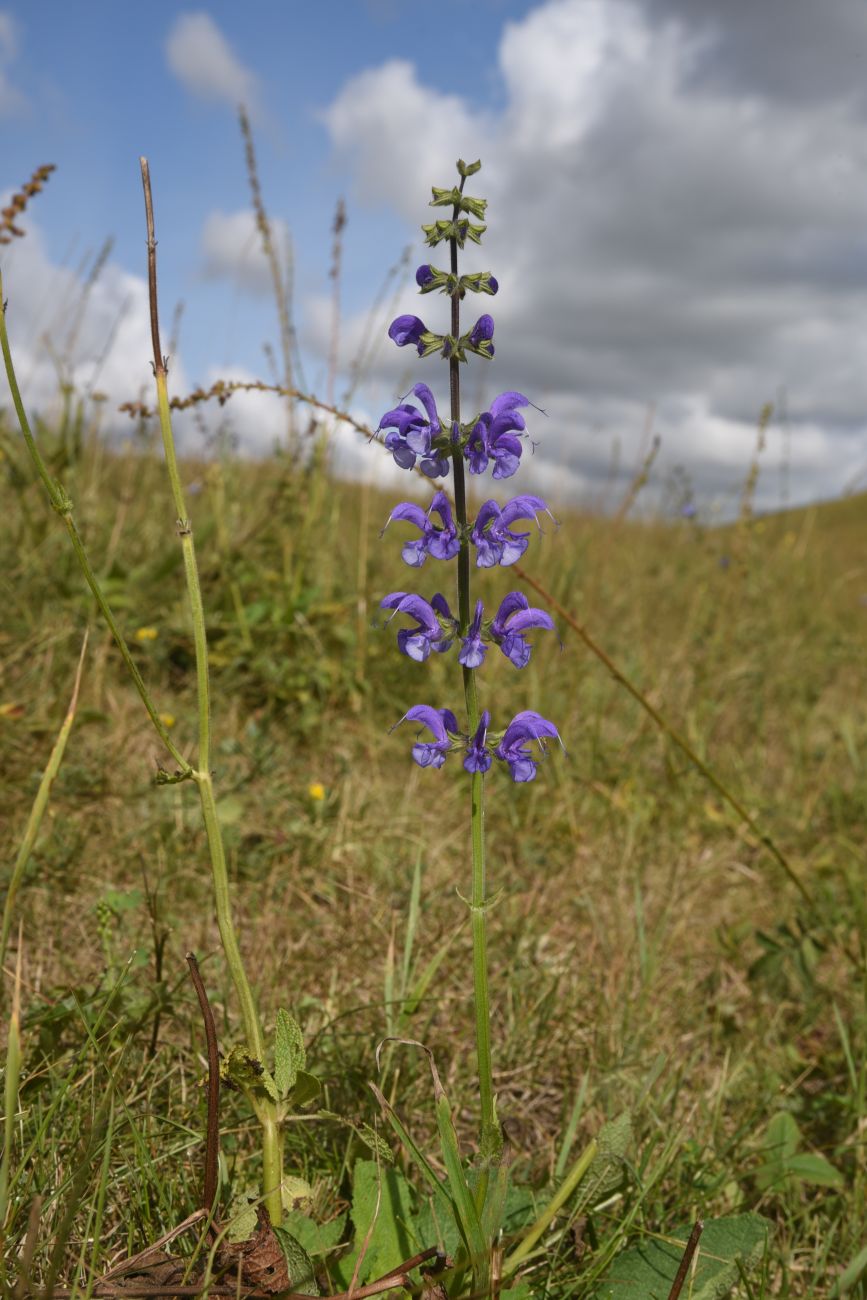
(677, 212)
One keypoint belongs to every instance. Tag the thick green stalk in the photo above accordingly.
(477, 789)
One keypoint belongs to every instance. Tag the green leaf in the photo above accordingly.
(782, 1137)
(814, 1169)
(386, 1214)
(646, 1272)
(241, 1070)
(289, 1053)
(298, 1262)
(316, 1238)
(307, 1088)
(608, 1171)
(377, 1144)
(850, 1276)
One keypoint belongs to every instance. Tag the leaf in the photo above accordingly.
(316, 1238)
(814, 1169)
(289, 1053)
(782, 1137)
(607, 1172)
(646, 1272)
(385, 1214)
(307, 1088)
(377, 1144)
(241, 1070)
(299, 1265)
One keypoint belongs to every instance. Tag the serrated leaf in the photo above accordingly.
(377, 1144)
(298, 1263)
(607, 1171)
(646, 1272)
(386, 1214)
(242, 1215)
(289, 1053)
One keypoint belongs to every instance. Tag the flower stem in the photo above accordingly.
(266, 1111)
(477, 789)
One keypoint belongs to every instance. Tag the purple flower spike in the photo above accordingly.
(439, 722)
(478, 757)
(407, 329)
(417, 642)
(512, 620)
(491, 535)
(473, 650)
(523, 728)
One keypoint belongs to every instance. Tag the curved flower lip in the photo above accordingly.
(514, 617)
(411, 434)
(491, 535)
(524, 727)
(424, 275)
(483, 329)
(428, 634)
(442, 542)
(442, 724)
(407, 329)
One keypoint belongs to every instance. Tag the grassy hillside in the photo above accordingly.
(649, 952)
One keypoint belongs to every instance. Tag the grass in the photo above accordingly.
(647, 952)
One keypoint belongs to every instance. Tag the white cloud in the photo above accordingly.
(203, 61)
(110, 351)
(11, 98)
(659, 239)
(232, 250)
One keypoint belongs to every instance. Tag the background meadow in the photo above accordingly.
(651, 950)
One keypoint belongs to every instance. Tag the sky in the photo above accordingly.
(677, 219)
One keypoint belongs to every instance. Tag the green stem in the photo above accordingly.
(481, 997)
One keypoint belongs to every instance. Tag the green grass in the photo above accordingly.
(647, 951)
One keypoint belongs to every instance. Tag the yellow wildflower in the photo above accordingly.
(146, 634)
(167, 719)
(316, 790)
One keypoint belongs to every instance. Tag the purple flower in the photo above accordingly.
(493, 283)
(439, 723)
(493, 436)
(478, 757)
(492, 536)
(411, 434)
(428, 634)
(424, 275)
(513, 618)
(473, 650)
(481, 334)
(440, 541)
(407, 329)
(523, 728)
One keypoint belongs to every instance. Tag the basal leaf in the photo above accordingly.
(646, 1272)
